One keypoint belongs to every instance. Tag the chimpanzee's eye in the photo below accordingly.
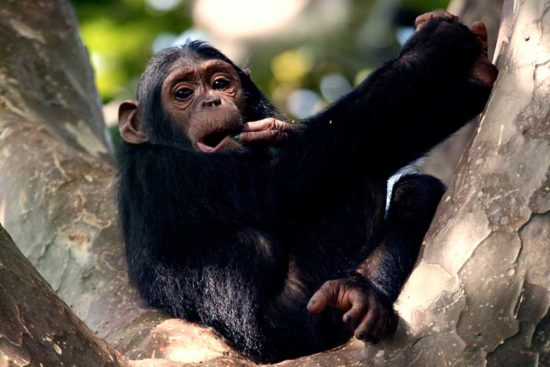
(183, 93)
(220, 83)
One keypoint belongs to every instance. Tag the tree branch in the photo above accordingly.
(37, 328)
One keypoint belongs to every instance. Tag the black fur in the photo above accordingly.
(240, 240)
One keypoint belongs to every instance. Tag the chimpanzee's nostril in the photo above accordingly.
(212, 102)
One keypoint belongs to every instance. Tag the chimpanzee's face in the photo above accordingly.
(205, 100)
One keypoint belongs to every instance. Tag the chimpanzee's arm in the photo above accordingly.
(412, 207)
(402, 110)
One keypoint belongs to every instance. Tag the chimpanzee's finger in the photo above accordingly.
(379, 329)
(364, 330)
(325, 296)
(356, 312)
(269, 123)
(422, 19)
(480, 30)
(262, 137)
(391, 324)
(484, 72)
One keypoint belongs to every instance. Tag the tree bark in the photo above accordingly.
(479, 295)
(36, 327)
(44, 80)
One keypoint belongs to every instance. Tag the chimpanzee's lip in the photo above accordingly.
(220, 145)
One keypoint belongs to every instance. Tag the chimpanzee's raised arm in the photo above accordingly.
(402, 110)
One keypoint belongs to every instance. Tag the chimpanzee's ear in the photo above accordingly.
(131, 129)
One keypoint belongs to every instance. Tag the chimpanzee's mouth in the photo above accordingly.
(216, 141)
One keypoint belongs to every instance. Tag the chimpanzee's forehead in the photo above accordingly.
(190, 65)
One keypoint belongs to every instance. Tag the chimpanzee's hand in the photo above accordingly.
(483, 72)
(423, 19)
(369, 317)
(268, 132)
(441, 46)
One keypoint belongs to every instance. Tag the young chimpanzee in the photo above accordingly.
(222, 231)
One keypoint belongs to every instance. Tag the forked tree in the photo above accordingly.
(479, 295)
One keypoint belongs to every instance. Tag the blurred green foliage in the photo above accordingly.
(425, 5)
(120, 33)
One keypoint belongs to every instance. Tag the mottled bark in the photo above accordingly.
(480, 294)
(36, 327)
(45, 73)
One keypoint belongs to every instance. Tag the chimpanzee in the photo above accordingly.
(223, 230)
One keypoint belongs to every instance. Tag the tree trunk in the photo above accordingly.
(36, 327)
(480, 293)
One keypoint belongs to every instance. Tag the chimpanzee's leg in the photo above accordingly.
(366, 295)
(390, 254)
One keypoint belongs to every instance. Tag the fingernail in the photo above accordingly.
(347, 318)
(311, 302)
(237, 137)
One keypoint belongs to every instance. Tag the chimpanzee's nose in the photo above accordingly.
(211, 102)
